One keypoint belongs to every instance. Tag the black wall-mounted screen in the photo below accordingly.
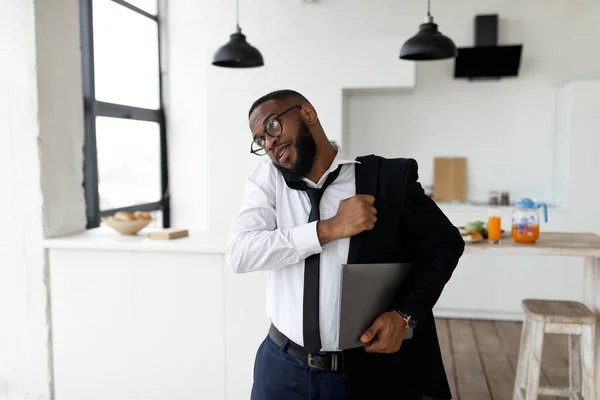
(487, 61)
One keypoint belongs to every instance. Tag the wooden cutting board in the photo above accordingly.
(168, 234)
(450, 179)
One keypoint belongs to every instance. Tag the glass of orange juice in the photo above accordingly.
(494, 228)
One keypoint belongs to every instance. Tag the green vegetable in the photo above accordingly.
(477, 226)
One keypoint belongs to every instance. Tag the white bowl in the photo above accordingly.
(127, 227)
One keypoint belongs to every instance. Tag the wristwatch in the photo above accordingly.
(408, 320)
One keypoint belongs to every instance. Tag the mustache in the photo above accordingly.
(280, 144)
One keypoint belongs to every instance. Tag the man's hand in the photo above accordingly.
(354, 215)
(388, 331)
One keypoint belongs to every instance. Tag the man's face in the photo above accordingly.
(293, 151)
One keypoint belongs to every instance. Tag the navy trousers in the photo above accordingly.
(281, 376)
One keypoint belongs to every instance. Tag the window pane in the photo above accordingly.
(157, 219)
(128, 162)
(125, 56)
(147, 5)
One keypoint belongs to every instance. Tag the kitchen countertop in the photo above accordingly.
(104, 238)
(550, 244)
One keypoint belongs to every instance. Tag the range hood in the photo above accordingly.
(487, 60)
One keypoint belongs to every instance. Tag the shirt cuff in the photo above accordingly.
(305, 238)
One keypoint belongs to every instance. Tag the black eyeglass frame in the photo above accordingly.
(256, 152)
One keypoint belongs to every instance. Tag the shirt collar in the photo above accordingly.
(339, 159)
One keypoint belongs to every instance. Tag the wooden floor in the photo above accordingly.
(481, 358)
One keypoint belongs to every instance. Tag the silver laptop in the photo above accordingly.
(367, 291)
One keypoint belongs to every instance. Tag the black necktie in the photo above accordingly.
(312, 336)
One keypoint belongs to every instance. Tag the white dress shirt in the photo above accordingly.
(271, 233)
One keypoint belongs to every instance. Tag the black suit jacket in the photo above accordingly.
(410, 228)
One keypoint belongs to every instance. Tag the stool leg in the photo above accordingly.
(524, 351)
(588, 361)
(535, 360)
(574, 363)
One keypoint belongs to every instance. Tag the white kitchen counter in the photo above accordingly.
(105, 238)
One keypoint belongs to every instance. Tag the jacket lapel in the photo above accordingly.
(366, 179)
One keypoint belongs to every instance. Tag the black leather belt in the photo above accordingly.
(326, 361)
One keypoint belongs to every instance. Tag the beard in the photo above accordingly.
(306, 150)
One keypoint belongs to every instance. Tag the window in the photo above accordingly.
(125, 154)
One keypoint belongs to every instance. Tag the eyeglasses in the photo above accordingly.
(273, 128)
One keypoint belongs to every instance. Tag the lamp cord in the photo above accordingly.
(237, 14)
(428, 8)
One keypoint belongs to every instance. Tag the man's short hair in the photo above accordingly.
(284, 96)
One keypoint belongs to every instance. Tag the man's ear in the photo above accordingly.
(309, 114)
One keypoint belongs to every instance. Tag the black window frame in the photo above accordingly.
(94, 108)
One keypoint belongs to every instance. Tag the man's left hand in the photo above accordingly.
(387, 331)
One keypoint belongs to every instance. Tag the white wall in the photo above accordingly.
(504, 129)
(41, 136)
(440, 116)
(60, 107)
(23, 329)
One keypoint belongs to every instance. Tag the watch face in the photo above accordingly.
(411, 322)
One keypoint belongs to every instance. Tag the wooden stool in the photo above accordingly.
(564, 317)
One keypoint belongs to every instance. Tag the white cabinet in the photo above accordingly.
(576, 152)
(246, 327)
(137, 325)
(493, 286)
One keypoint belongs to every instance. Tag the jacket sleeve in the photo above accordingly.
(436, 248)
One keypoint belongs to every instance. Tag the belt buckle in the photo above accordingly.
(311, 362)
(333, 366)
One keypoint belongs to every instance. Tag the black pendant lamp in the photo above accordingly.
(428, 43)
(237, 53)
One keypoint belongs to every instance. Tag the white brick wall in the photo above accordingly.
(35, 130)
